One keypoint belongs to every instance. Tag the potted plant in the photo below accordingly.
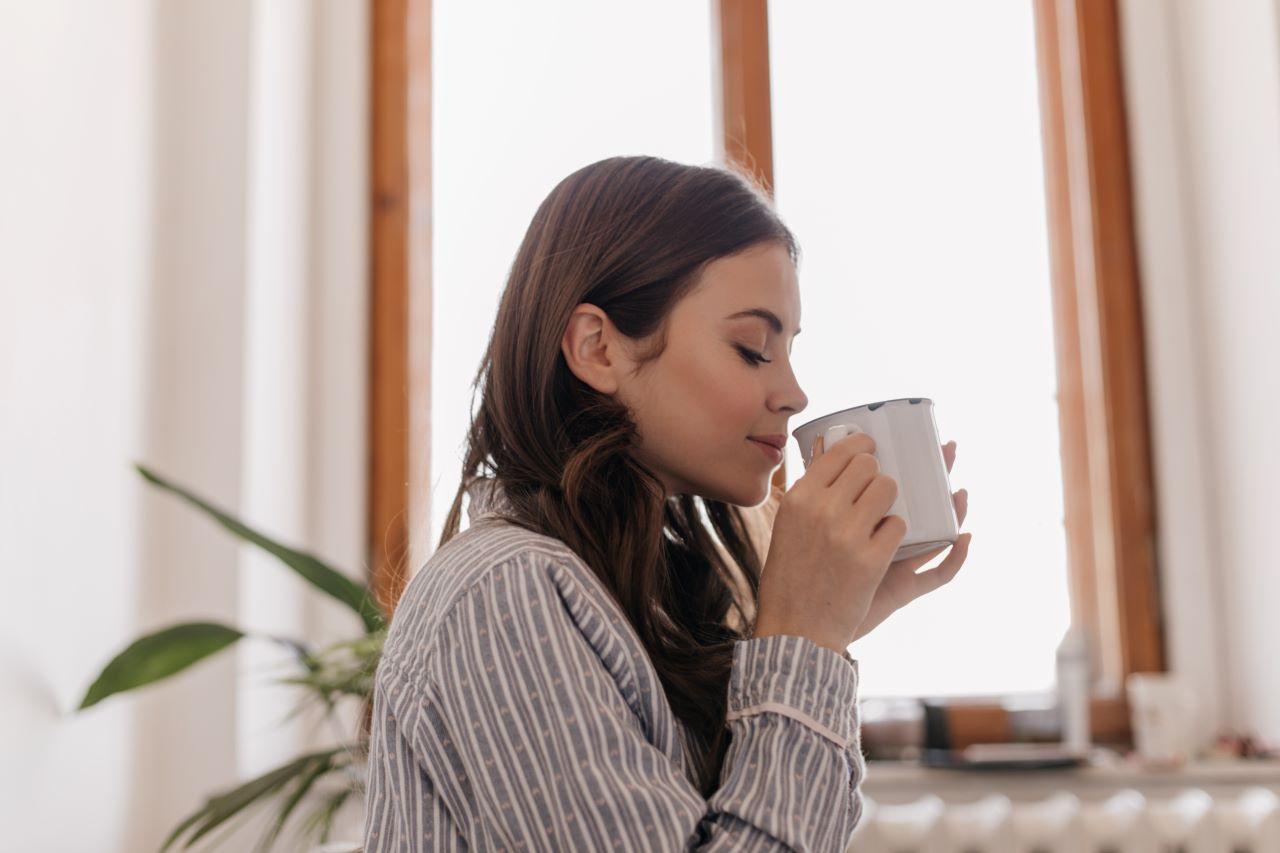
(340, 673)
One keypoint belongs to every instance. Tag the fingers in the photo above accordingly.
(856, 479)
(891, 529)
(827, 463)
(874, 502)
(939, 575)
(945, 571)
(960, 498)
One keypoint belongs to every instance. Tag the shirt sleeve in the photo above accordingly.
(536, 743)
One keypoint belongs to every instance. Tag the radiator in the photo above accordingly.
(1189, 821)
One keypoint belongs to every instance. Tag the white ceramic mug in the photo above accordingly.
(908, 450)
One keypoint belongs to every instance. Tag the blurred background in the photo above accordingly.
(257, 245)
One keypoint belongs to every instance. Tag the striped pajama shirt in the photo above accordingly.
(515, 708)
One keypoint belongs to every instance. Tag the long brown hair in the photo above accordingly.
(631, 236)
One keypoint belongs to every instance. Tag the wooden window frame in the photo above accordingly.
(1103, 404)
(1101, 367)
(1101, 371)
(399, 396)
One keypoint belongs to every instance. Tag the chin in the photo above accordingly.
(747, 494)
(760, 492)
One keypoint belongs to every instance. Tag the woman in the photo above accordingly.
(604, 658)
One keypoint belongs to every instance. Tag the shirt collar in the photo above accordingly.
(487, 498)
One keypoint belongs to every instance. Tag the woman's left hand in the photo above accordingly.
(901, 584)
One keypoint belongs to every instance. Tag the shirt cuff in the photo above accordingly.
(797, 678)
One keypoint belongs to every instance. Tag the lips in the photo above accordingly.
(778, 441)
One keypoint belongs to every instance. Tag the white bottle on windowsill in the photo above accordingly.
(1073, 691)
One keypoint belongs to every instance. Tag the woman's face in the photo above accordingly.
(712, 407)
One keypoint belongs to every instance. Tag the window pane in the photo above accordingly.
(523, 95)
(908, 162)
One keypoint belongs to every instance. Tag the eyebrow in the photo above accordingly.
(766, 315)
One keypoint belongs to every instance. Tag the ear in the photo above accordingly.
(589, 348)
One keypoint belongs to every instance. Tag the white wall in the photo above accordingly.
(129, 328)
(74, 224)
(1203, 89)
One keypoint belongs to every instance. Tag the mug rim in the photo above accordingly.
(869, 406)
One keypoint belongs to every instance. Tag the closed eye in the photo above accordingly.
(751, 357)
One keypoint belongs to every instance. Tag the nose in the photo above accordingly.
(789, 397)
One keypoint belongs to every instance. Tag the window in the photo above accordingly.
(1105, 511)
(504, 139)
(907, 158)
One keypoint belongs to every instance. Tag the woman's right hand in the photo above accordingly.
(831, 546)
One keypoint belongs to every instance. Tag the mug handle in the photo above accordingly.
(885, 454)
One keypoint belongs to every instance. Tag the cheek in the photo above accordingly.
(721, 400)
(694, 408)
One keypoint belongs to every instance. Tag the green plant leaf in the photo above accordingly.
(222, 807)
(156, 656)
(344, 668)
(305, 782)
(320, 821)
(324, 578)
(300, 650)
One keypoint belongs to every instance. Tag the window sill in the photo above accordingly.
(904, 781)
